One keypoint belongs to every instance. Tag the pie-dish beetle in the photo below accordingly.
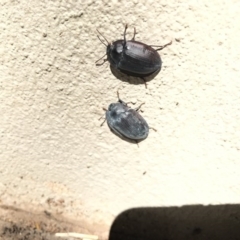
(132, 57)
(126, 122)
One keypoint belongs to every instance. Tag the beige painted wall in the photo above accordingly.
(53, 153)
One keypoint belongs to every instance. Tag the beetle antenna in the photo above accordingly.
(101, 39)
(124, 33)
(102, 117)
(134, 34)
(118, 95)
(99, 64)
(119, 100)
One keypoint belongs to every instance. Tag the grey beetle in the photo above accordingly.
(126, 122)
(132, 57)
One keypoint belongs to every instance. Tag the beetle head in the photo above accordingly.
(116, 108)
(111, 106)
(114, 52)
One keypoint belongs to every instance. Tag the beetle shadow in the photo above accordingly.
(126, 139)
(133, 79)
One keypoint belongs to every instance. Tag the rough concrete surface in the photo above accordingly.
(54, 155)
(17, 224)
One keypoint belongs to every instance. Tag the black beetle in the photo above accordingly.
(132, 57)
(125, 121)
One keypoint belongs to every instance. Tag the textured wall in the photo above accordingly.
(53, 152)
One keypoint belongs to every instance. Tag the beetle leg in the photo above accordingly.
(100, 64)
(162, 47)
(130, 102)
(138, 108)
(103, 122)
(134, 34)
(104, 60)
(145, 82)
(153, 129)
(137, 143)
